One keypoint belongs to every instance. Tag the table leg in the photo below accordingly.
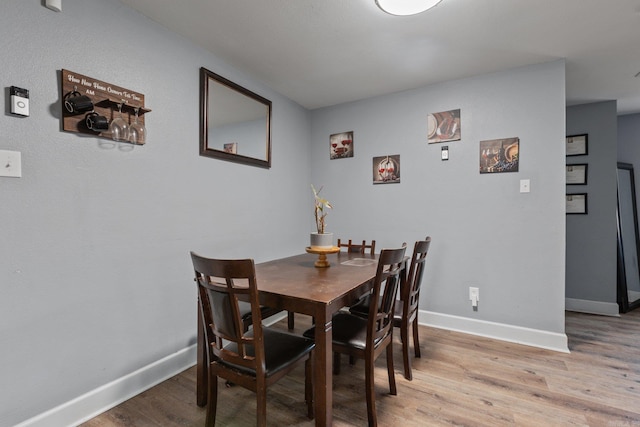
(323, 380)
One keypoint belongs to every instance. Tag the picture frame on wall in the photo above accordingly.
(577, 145)
(499, 155)
(577, 174)
(444, 126)
(386, 169)
(341, 145)
(577, 204)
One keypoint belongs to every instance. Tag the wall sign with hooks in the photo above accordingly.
(97, 108)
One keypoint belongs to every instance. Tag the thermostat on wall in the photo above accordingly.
(19, 101)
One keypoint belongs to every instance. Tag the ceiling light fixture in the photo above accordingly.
(406, 7)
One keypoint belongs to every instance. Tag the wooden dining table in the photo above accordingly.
(296, 285)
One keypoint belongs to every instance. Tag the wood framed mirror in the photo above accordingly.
(235, 123)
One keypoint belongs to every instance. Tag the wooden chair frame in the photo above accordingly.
(240, 360)
(379, 326)
(358, 247)
(406, 315)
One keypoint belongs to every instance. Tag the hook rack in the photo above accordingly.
(105, 97)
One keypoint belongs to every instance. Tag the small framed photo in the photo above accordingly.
(577, 145)
(577, 203)
(577, 174)
(386, 169)
(341, 145)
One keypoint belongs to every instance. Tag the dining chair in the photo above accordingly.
(406, 310)
(367, 338)
(253, 359)
(358, 247)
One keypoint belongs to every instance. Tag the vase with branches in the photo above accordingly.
(321, 204)
(321, 207)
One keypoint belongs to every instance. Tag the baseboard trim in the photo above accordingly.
(592, 307)
(516, 334)
(89, 405)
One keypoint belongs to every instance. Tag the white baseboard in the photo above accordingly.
(592, 307)
(499, 331)
(97, 401)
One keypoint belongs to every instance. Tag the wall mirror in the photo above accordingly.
(235, 123)
(628, 241)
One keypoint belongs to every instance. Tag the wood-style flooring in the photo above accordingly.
(461, 380)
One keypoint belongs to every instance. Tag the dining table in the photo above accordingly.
(295, 284)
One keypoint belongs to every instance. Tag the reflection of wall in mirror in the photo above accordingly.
(248, 137)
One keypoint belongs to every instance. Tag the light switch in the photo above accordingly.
(525, 186)
(10, 163)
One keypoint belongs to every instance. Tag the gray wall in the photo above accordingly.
(591, 244)
(485, 232)
(94, 260)
(94, 255)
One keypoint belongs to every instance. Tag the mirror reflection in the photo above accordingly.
(235, 122)
(628, 240)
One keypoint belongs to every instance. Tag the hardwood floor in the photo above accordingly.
(460, 380)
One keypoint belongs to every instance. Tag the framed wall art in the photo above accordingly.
(443, 126)
(341, 145)
(500, 155)
(386, 169)
(577, 145)
(577, 174)
(577, 203)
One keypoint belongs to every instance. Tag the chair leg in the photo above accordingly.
(261, 407)
(336, 363)
(404, 335)
(212, 401)
(290, 320)
(392, 378)
(370, 391)
(416, 341)
(308, 386)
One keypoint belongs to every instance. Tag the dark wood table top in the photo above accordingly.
(298, 278)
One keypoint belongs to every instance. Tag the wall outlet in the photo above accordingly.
(474, 296)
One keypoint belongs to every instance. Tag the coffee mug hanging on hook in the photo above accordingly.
(76, 103)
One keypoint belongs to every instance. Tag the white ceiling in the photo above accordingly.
(325, 52)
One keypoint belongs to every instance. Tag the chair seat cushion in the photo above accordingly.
(348, 330)
(280, 348)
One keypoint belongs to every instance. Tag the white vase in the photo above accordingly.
(321, 240)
